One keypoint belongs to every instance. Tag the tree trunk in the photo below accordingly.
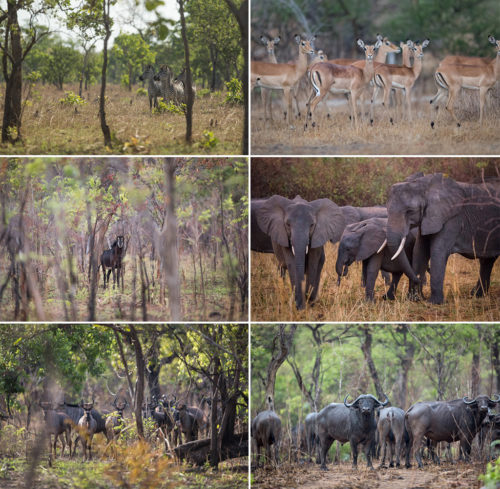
(189, 85)
(213, 59)
(11, 126)
(102, 102)
(139, 392)
(366, 347)
(495, 361)
(281, 348)
(241, 15)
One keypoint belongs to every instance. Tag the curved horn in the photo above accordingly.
(468, 402)
(383, 246)
(400, 249)
(496, 400)
(383, 403)
(352, 403)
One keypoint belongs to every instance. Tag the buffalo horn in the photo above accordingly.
(468, 402)
(497, 399)
(352, 404)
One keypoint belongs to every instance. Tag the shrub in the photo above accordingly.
(491, 478)
(141, 92)
(209, 140)
(72, 99)
(234, 92)
(170, 107)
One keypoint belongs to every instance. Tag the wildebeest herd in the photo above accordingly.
(427, 218)
(71, 424)
(368, 423)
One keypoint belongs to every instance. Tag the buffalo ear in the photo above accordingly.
(271, 219)
(330, 222)
(373, 235)
(442, 203)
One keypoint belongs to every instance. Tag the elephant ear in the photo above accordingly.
(373, 236)
(414, 176)
(442, 203)
(330, 222)
(271, 219)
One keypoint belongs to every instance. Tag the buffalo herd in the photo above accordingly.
(426, 219)
(378, 428)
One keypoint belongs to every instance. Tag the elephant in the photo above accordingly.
(357, 214)
(451, 217)
(298, 231)
(366, 241)
(259, 240)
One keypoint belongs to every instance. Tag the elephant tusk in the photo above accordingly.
(307, 249)
(382, 247)
(401, 246)
(293, 251)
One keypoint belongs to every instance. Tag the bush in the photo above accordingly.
(170, 107)
(72, 99)
(234, 92)
(141, 92)
(491, 478)
(203, 92)
(209, 140)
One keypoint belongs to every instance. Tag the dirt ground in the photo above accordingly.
(334, 133)
(343, 476)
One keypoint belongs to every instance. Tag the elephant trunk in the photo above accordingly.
(300, 247)
(396, 240)
(341, 265)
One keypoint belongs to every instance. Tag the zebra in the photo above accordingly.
(181, 78)
(154, 88)
(171, 91)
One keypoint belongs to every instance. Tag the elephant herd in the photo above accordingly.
(369, 424)
(427, 218)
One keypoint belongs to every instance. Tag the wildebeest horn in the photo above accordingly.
(468, 402)
(496, 400)
(401, 246)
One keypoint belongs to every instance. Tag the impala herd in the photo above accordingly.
(353, 77)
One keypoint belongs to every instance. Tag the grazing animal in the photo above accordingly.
(87, 427)
(392, 433)
(190, 420)
(312, 439)
(164, 416)
(57, 424)
(167, 87)
(181, 79)
(457, 420)
(114, 423)
(365, 241)
(154, 87)
(112, 259)
(353, 423)
(266, 431)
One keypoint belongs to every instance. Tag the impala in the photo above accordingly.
(452, 77)
(385, 48)
(271, 58)
(402, 77)
(282, 75)
(326, 77)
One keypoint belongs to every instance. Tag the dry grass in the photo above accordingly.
(52, 128)
(343, 476)
(335, 134)
(272, 298)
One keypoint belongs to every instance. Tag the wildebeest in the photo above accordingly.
(312, 439)
(353, 423)
(112, 259)
(114, 423)
(392, 433)
(457, 420)
(57, 424)
(87, 427)
(266, 431)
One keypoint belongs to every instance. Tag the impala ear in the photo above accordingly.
(378, 44)
(491, 39)
(426, 43)
(271, 219)
(379, 37)
(361, 44)
(264, 39)
(297, 38)
(276, 40)
(330, 222)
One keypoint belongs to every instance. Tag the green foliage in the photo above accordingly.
(209, 139)
(169, 107)
(141, 92)
(203, 92)
(72, 99)
(491, 478)
(234, 91)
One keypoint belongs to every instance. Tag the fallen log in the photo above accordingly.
(197, 452)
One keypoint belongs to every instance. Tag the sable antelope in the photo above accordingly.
(112, 259)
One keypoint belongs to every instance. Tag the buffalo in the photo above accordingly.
(392, 434)
(457, 420)
(312, 440)
(266, 431)
(353, 423)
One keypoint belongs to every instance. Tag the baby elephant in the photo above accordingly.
(366, 241)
